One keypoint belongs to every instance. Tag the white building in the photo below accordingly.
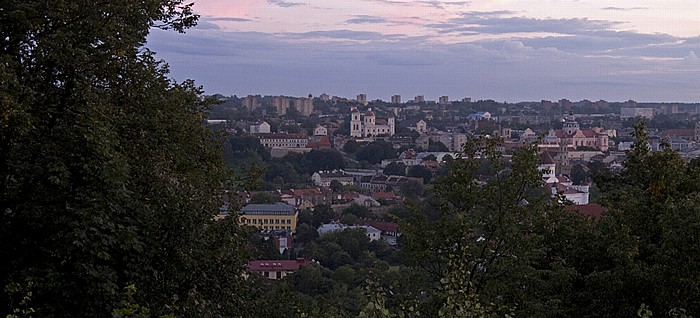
(367, 125)
(260, 128)
(320, 131)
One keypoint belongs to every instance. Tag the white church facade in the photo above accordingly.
(368, 125)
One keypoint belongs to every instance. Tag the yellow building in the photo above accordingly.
(278, 216)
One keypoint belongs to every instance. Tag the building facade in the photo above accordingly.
(283, 140)
(367, 125)
(270, 216)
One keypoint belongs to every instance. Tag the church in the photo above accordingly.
(368, 125)
(572, 134)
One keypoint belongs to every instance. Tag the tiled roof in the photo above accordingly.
(281, 207)
(594, 211)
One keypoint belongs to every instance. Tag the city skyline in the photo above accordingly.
(502, 50)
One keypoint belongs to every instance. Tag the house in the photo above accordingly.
(389, 230)
(276, 269)
(279, 216)
(324, 178)
(578, 194)
(260, 128)
(320, 131)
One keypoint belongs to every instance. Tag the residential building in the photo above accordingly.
(396, 99)
(281, 105)
(444, 100)
(260, 128)
(250, 102)
(266, 217)
(324, 178)
(419, 99)
(627, 112)
(324, 97)
(320, 131)
(283, 140)
(362, 99)
(304, 106)
(276, 269)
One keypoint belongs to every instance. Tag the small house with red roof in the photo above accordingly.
(276, 269)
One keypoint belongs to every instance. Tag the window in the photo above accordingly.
(289, 221)
(265, 221)
(277, 221)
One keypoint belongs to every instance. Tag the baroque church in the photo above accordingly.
(368, 125)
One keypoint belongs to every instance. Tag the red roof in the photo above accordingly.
(276, 265)
(546, 158)
(594, 211)
(678, 133)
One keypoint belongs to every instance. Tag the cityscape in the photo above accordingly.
(355, 158)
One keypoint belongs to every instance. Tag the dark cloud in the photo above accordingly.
(363, 19)
(205, 25)
(513, 69)
(285, 4)
(527, 25)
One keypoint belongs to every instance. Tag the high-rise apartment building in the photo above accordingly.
(250, 102)
(396, 99)
(281, 105)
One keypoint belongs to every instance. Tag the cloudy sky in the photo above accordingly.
(506, 50)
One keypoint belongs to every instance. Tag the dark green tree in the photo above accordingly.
(107, 177)
(649, 234)
(579, 175)
(486, 247)
(351, 147)
(412, 189)
(419, 171)
(395, 169)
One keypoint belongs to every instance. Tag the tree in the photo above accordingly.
(419, 171)
(376, 151)
(358, 211)
(324, 160)
(322, 214)
(264, 198)
(437, 146)
(412, 189)
(649, 233)
(489, 246)
(351, 147)
(336, 186)
(395, 169)
(578, 174)
(107, 177)
(430, 157)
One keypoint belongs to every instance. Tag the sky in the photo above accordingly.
(505, 50)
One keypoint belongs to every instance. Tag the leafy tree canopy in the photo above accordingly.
(107, 177)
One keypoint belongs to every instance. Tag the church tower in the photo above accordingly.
(570, 125)
(392, 124)
(355, 123)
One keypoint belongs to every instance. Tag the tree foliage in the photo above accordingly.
(107, 177)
